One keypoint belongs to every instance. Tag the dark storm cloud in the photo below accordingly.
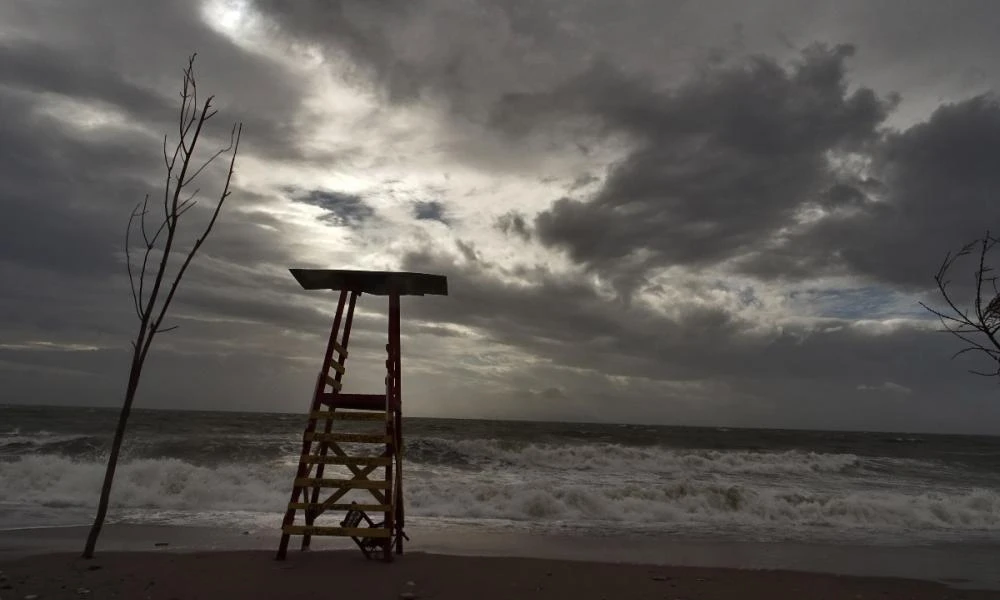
(131, 56)
(67, 191)
(65, 197)
(457, 53)
(719, 165)
(430, 211)
(722, 166)
(360, 28)
(940, 190)
(36, 67)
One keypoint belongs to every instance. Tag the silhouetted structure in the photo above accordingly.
(351, 411)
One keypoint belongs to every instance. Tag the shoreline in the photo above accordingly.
(954, 566)
(255, 574)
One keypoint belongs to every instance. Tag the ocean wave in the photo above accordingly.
(15, 443)
(172, 484)
(693, 502)
(57, 481)
(599, 457)
(618, 457)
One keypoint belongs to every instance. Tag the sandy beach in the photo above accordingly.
(345, 574)
(182, 563)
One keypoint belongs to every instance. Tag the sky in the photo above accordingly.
(718, 213)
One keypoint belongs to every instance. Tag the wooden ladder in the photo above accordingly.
(322, 448)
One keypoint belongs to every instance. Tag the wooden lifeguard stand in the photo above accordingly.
(350, 412)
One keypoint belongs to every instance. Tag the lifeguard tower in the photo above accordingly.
(343, 444)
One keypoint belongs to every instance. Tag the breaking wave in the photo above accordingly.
(617, 457)
(644, 488)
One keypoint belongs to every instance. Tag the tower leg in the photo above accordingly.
(328, 426)
(304, 468)
(395, 414)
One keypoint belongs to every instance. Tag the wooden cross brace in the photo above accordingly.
(360, 474)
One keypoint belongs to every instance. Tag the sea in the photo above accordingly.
(235, 470)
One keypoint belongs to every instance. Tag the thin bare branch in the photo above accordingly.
(145, 204)
(128, 260)
(235, 136)
(208, 162)
(979, 326)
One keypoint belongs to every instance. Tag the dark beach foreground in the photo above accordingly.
(345, 574)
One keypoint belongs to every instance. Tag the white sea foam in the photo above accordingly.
(56, 481)
(647, 488)
(690, 502)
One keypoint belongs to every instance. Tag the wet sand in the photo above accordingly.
(346, 574)
(141, 561)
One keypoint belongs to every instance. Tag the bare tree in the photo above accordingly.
(153, 291)
(978, 325)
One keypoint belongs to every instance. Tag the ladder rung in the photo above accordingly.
(361, 438)
(375, 402)
(336, 366)
(340, 349)
(368, 532)
(358, 484)
(347, 416)
(378, 461)
(336, 385)
(355, 506)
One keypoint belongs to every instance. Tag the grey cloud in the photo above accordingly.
(719, 166)
(723, 153)
(430, 211)
(34, 66)
(795, 374)
(514, 223)
(566, 316)
(551, 393)
(342, 209)
(78, 54)
(67, 191)
(886, 386)
(399, 48)
(940, 191)
(66, 197)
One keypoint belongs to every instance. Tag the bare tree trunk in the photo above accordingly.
(150, 314)
(116, 446)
